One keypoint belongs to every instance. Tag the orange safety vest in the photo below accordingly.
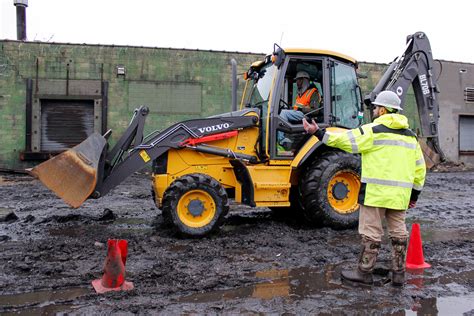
(305, 99)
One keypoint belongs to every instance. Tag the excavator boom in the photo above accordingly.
(415, 68)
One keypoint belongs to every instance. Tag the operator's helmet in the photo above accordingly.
(302, 74)
(388, 99)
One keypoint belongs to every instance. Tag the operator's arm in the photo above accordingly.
(420, 174)
(355, 141)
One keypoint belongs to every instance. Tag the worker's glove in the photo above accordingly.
(412, 204)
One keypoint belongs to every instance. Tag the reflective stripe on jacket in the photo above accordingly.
(304, 100)
(393, 168)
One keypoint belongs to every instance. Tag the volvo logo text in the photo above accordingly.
(214, 128)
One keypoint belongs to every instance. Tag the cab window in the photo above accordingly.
(260, 94)
(345, 96)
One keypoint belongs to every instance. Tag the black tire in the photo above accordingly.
(209, 206)
(337, 206)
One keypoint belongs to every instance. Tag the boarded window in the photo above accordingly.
(466, 133)
(166, 97)
(65, 123)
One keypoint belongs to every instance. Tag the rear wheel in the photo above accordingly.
(330, 188)
(195, 205)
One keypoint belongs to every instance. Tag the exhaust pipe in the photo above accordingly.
(21, 6)
(235, 84)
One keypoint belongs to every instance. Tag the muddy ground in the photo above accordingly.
(258, 263)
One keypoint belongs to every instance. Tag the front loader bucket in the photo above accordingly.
(72, 175)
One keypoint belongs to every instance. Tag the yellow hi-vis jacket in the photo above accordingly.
(393, 168)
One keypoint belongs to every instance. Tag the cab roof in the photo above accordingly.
(320, 52)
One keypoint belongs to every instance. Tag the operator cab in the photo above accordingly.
(294, 92)
(272, 89)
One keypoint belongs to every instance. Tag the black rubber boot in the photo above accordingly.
(358, 276)
(368, 256)
(399, 251)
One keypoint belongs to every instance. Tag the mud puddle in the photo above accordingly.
(295, 284)
(451, 305)
(258, 264)
(298, 285)
(47, 302)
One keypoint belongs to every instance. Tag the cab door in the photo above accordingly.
(284, 98)
(345, 108)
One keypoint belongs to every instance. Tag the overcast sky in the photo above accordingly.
(373, 31)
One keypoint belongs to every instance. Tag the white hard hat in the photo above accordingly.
(388, 99)
(302, 74)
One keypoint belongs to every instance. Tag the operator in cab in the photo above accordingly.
(393, 175)
(308, 99)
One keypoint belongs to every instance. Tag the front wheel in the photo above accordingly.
(330, 188)
(195, 205)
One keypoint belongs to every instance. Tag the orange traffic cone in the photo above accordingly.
(415, 258)
(114, 269)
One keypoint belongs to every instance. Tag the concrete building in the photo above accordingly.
(456, 128)
(53, 95)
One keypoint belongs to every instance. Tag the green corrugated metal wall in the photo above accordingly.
(175, 84)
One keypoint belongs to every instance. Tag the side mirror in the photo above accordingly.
(278, 56)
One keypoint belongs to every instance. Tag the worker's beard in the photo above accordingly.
(304, 87)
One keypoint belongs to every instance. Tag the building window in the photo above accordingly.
(469, 94)
(466, 133)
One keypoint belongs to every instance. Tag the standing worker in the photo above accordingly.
(393, 174)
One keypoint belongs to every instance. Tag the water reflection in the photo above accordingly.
(451, 305)
(40, 302)
(43, 297)
(295, 283)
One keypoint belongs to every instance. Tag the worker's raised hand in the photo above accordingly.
(310, 128)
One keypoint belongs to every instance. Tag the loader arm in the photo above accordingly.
(90, 170)
(415, 67)
(173, 137)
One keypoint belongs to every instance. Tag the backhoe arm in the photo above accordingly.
(415, 67)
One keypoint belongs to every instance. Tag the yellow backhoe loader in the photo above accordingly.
(253, 155)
